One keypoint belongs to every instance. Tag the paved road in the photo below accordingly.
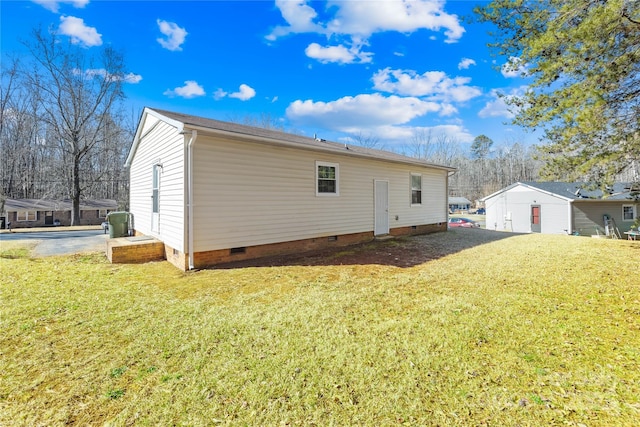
(50, 243)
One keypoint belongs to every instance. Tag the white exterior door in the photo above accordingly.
(155, 199)
(381, 214)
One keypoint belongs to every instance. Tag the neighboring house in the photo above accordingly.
(457, 204)
(561, 208)
(23, 213)
(216, 192)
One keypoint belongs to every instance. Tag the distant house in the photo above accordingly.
(23, 213)
(457, 204)
(215, 192)
(561, 207)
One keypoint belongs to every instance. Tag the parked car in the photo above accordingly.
(481, 211)
(462, 222)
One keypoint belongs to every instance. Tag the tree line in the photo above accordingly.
(482, 167)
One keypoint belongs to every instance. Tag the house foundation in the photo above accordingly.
(141, 248)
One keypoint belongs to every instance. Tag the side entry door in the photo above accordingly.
(381, 215)
(536, 226)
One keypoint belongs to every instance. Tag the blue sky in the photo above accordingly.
(388, 70)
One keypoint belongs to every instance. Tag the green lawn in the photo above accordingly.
(529, 330)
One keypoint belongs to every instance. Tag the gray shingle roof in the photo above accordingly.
(14, 205)
(583, 190)
(459, 201)
(302, 141)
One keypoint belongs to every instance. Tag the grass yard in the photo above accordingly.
(527, 330)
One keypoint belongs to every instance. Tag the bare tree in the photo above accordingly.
(77, 95)
(264, 121)
(367, 140)
(20, 137)
(440, 149)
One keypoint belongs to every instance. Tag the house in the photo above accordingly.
(216, 192)
(457, 204)
(561, 208)
(23, 213)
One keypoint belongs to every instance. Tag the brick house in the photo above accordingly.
(25, 213)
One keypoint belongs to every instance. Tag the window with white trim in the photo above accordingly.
(416, 189)
(629, 212)
(327, 179)
(27, 216)
(102, 213)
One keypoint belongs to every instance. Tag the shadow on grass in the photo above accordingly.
(401, 252)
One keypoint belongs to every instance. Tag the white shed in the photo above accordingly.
(217, 192)
(561, 208)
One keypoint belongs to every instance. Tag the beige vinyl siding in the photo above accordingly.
(163, 144)
(250, 194)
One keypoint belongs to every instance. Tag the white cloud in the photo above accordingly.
(219, 94)
(340, 54)
(365, 18)
(514, 68)
(465, 63)
(244, 94)
(191, 89)
(435, 85)
(298, 15)
(360, 18)
(54, 6)
(405, 134)
(79, 32)
(127, 78)
(447, 110)
(355, 21)
(175, 35)
(132, 78)
(497, 106)
(359, 111)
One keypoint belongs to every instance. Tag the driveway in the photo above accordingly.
(49, 243)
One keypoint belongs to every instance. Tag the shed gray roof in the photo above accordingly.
(459, 201)
(15, 205)
(584, 190)
(580, 190)
(275, 136)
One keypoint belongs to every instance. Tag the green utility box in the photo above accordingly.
(118, 224)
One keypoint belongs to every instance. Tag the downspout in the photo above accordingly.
(570, 229)
(446, 204)
(192, 141)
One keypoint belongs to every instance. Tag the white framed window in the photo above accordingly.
(416, 189)
(327, 179)
(629, 212)
(27, 216)
(102, 213)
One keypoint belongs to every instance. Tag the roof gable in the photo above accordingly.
(575, 190)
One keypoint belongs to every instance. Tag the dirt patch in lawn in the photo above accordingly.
(400, 252)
